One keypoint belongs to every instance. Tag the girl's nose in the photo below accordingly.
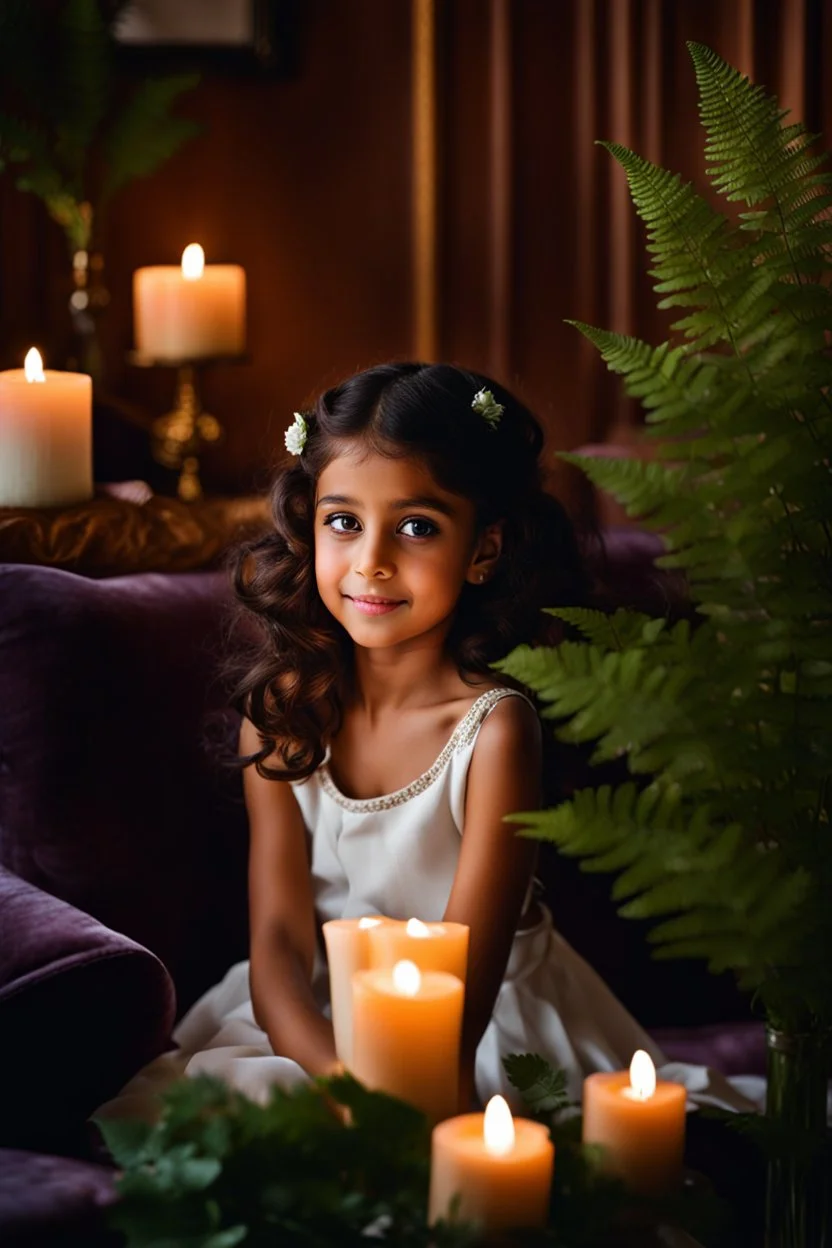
(374, 560)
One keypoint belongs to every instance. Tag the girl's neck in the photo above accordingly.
(385, 682)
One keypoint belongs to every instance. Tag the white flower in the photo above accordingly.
(295, 436)
(487, 406)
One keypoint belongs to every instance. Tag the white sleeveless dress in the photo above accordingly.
(397, 855)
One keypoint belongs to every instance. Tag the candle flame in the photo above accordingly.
(498, 1127)
(415, 927)
(368, 921)
(642, 1076)
(193, 262)
(407, 978)
(33, 366)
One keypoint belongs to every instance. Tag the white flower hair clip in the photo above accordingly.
(296, 435)
(485, 405)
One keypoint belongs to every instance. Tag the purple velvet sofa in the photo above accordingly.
(123, 867)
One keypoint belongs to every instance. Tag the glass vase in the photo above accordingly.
(88, 298)
(798, 1206)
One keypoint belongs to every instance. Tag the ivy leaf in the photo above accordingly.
(126, 1138)
(541, 1086)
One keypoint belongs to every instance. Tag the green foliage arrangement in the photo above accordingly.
(723, 834)
(219, 1170)
(77, 131)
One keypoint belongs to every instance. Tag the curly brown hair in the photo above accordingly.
(293, 674)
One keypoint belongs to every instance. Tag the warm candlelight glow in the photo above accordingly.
(45, 436)
(642, 1077)
(33, 365)
(639, 1123)
(193, 262)
(492, 1169)
(368, 921)
(407, 978)
(415, 927)
(498, 1127)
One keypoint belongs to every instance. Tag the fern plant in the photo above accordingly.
(74, 131)
(722, 836)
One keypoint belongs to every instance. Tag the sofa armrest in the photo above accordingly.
(82, 1007)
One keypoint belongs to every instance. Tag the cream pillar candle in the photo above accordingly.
(45, 436)
(189, 311)
(432, 946)
(347, 951)
(406, 1033)
(639, 1123)
(500, 1168)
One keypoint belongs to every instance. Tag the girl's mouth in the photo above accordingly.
(374, 606)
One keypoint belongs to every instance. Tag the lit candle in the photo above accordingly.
(347, 951)
(406, 1033)
(45, 436)
(432, 946)
(189, 311)
(639, 1123)
(499, 1168)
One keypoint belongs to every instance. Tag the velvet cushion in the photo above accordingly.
(81, 1008)
(108, 797)
(54, 1201)
(623, 564)
(737, 1048)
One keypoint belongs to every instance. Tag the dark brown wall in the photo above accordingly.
(308, 183)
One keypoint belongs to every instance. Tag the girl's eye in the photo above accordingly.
(342, 523)
(418, 526)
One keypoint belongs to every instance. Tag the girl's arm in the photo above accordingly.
(495, 865)
(282, 921)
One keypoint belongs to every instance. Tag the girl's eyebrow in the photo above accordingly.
(427, 501)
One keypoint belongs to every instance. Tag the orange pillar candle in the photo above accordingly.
(500, 1169)
(190, 310)
(45, 436)
(432, 946)
(347, 951)
(639, 1123)
(406, 1033)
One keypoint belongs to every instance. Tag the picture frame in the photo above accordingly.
(246, 38)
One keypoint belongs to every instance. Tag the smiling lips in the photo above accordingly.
(375, 605)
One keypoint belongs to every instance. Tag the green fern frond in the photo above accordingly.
(695, 257)
(642, 487)
(753, 157)
(610, 632)
(724, 843)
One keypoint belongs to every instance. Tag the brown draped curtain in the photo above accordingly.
(537, 226)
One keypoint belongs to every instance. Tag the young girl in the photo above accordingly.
(413, 546)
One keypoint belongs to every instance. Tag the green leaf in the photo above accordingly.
(126, 1138)
(542, 1087)
(146, 134)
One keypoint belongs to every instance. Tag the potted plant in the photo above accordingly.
(77, 131)
(722, 835)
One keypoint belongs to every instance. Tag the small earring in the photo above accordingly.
(481, 577)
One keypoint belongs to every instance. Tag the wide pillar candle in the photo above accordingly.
(498, 1168)
(190, 310)
(432, 946)
(45, 436)
(639, 1123)
(347, 951)
(406, 1035)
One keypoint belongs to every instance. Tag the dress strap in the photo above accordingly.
(468, 727)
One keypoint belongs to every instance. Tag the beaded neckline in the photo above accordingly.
(462, 735)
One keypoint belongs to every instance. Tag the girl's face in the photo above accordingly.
(393, 550)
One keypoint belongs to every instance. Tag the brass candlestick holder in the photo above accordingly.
(179, 435)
